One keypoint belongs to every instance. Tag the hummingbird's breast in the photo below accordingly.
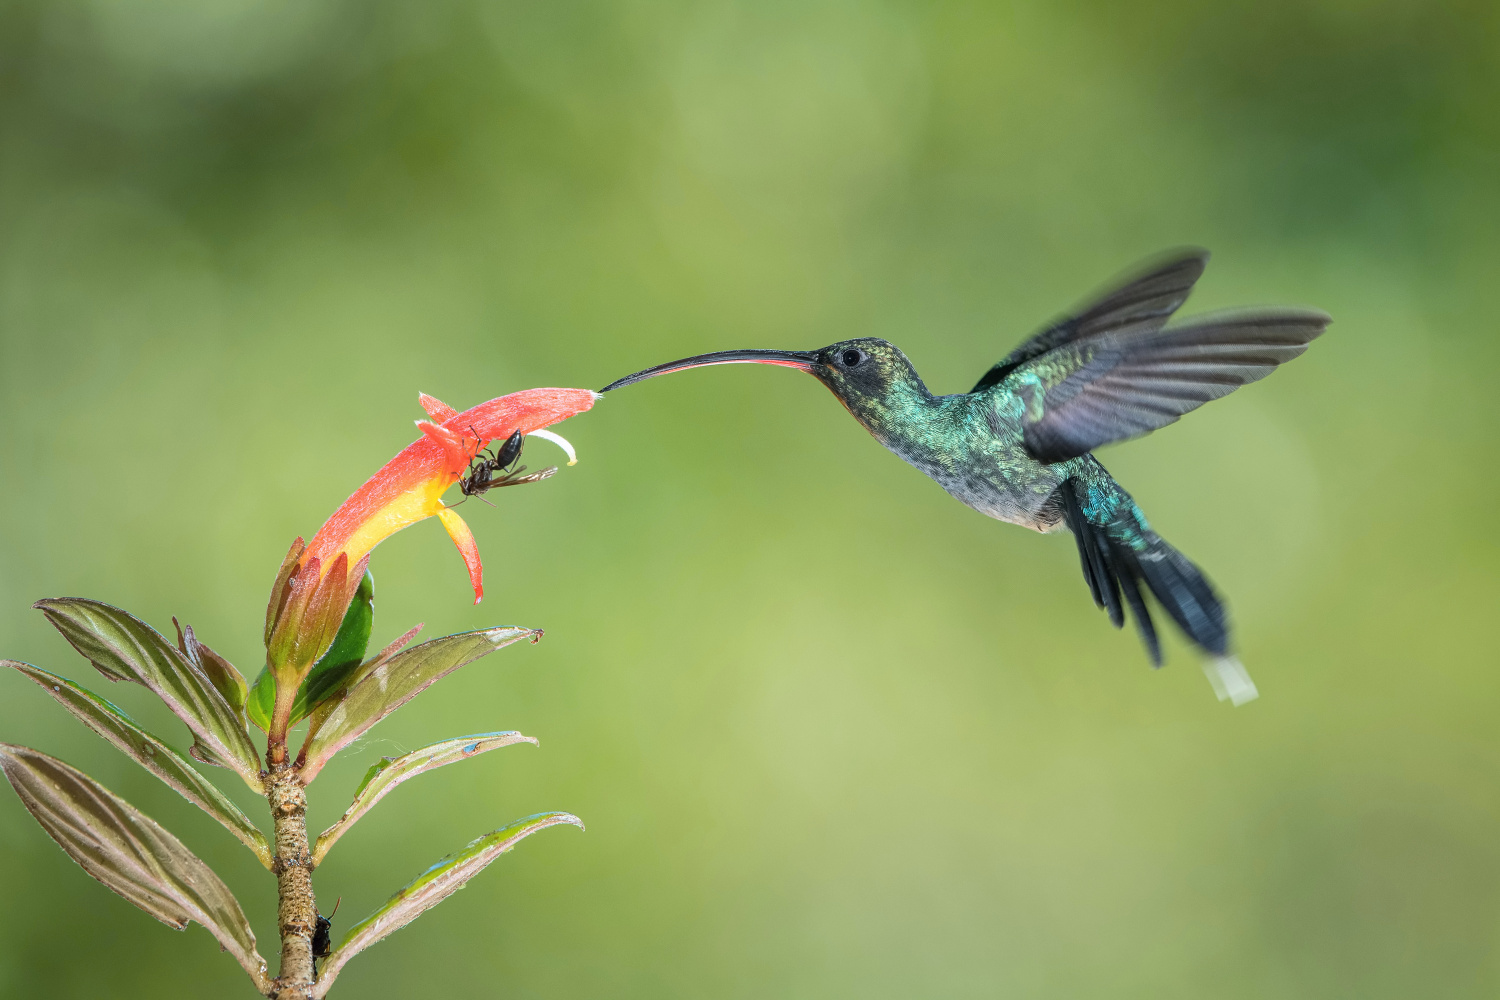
(969, 447)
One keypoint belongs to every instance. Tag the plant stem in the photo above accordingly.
(281, 716)
(297, 914)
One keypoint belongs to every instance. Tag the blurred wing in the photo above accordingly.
(1119, 387)
(1138, 304)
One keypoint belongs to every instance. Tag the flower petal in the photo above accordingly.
(436, 408)
(421, 500)
(410, 486)
(522, 411)
(464, 539)
(458, 449)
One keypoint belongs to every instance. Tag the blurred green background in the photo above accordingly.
(833, 733)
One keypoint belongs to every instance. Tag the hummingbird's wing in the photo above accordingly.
(1119, 385)
(1138, 303)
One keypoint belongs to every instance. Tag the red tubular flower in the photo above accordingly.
(318, 581)
(410, 486)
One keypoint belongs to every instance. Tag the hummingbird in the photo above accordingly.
(1018, 446)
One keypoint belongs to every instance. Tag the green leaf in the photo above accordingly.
(130, 852)
(344, 656)
(149, 752)
(380, 688)
(330, 673)
(261, 700)
(392, 771)
(124, 647)
(432, 887)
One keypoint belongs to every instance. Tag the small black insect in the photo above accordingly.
(322, 941)
(481, 478)
(510, 450)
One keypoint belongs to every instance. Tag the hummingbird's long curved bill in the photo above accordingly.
(788, 359)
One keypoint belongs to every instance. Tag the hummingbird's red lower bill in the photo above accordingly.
(804, 360)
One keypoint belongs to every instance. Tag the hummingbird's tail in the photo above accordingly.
(1119, 552)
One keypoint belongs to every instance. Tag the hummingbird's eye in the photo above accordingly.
(852, 357)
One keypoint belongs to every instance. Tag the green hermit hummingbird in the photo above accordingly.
(1017, 446)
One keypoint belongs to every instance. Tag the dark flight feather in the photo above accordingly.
(1143, 623)
(1139, 304)
(1091, 553)
(1129, 384)
(1187, 596)
(1119, 556)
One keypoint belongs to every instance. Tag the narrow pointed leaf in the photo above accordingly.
(392, 771)
(384, 687)
(432, 887)
(151, 753)
(220, 672)
(279, 591)
(124, 647)
(129, 852)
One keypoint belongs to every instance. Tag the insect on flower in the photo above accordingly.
(409, 488)
(481, 478)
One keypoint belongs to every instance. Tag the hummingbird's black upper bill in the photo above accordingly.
(789, 359)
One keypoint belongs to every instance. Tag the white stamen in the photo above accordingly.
(1230, 680)
(560, 441)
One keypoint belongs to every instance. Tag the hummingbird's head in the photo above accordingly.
(868, 375)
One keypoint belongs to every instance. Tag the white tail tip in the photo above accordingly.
(1230, 680)
(558, 440)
